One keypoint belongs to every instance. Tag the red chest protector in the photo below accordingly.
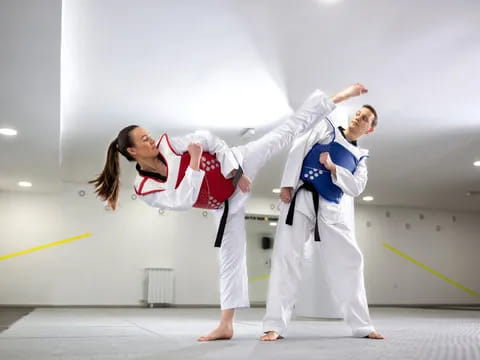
(215, 188)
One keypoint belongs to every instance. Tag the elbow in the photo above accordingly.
(355, 191)
(186, 204)
(189, 200)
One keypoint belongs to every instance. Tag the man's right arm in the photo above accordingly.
(349, 92)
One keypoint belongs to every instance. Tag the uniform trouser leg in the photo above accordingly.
(233, 263)
(344, 264)
(255, 154)
(233, 268)
(286, 272)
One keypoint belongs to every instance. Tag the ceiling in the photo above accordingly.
(74, 73)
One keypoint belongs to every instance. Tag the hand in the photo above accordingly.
(195, 151)
(244, 183)
(355, 90)
(326, 161)
(351, 91)
(286, 194)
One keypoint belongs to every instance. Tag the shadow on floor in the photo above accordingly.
(10, 315)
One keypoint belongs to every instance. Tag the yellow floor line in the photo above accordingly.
(259, 277)
(60, 242)
(434, 272)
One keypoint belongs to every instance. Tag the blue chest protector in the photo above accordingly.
(315, 173)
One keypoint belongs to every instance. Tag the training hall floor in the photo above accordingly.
(171, 333)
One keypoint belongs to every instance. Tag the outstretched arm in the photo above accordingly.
(318, 105)
(349, 92)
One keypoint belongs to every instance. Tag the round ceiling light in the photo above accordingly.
(8, 132)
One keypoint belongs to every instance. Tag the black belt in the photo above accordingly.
(223, 220)
(221, 227)
(291, 210)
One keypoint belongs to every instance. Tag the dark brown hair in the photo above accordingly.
(107, 184)
(374, 112)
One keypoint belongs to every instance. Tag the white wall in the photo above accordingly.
(258, 259)
(452, 251)
(447, 242)
(107, 268)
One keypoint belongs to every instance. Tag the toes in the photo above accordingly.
(271, 337)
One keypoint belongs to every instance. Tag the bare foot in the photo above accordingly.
(271, 336)
(375, 335)
(220, 333)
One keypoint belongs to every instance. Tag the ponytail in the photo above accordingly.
(107, 184)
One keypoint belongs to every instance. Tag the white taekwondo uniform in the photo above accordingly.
(339, 251)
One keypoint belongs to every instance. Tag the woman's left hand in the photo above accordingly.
(244, 183)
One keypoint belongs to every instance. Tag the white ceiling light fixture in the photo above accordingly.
(8, 132)
(367, 198)
(472, 193)
(273, 223)
(329, 2)
(247, 133)
(25, 184)
(476, 163)
(276, 191)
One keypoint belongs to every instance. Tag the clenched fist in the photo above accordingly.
(351, 91)
(326, 161)
(195, 151)
(244, 183)
(286, 194)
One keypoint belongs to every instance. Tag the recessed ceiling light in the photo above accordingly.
(247, 133)
(273, 223)
(367, 198)
(329, 1)
(8, 132)
(25, 184)
(276, 191)
(476, 163)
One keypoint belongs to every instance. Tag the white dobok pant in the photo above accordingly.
(342, 260)
(233, 262)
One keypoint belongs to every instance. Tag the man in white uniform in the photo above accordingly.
(325, 169)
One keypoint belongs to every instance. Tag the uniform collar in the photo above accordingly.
(151, 174)
(342, 130)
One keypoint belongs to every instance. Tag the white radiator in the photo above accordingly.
(160, 286)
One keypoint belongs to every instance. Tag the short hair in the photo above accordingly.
(374, 112)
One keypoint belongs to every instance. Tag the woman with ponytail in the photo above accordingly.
(200, 170)
(108, 182)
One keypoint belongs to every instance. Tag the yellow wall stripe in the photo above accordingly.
(434, 272)
(259, 277)
(60, 242)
